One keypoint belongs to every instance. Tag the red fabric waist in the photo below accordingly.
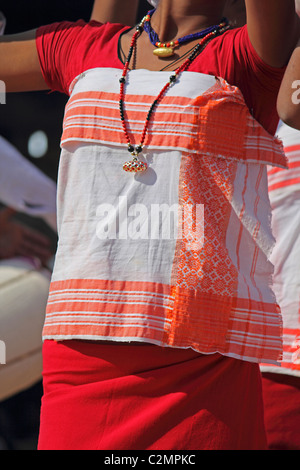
(132, 397)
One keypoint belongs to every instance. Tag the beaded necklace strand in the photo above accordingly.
(166, 49)
(122, 57)
(135, 165)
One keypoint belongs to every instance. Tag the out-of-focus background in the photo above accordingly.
(32, 122)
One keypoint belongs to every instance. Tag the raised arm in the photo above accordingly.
(19, 65)
(288, 103)
(115, 11)
(273, 27)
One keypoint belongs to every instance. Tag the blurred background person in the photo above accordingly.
(24, 275)
(27, 210)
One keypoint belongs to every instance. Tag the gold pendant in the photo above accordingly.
(163, 52)
(135, 166)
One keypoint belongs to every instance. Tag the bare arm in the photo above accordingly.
(19, 65)
(115, 11)
(288, 103)
(273, 27)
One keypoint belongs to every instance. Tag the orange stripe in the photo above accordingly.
(284, 171)
(99, 95)
(221, 124)
(292, 331)
(255, 305)
(208, 301)
(284, 184)
(74, 329)
(108, 136)
(137, 110)
(291, 366)
(292, 148)
(75, 306)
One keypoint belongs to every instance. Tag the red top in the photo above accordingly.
(67, 49)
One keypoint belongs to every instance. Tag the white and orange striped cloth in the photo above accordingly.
(120, 274)
(284, 187)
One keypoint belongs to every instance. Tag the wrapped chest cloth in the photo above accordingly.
(177, 256)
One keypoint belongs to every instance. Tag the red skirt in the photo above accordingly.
(281, 394)
(144, 397)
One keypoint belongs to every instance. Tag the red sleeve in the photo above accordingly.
(244, 61)
(56, 46)
(67, 49)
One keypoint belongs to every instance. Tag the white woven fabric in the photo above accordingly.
(120, 272)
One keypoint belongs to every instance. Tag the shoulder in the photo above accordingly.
(67, 49)
(236, 60)
(78, 31)
(224, 54)
(226, 47)
(233, 57)
(232, 42)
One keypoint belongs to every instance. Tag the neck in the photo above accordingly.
(174, 19)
